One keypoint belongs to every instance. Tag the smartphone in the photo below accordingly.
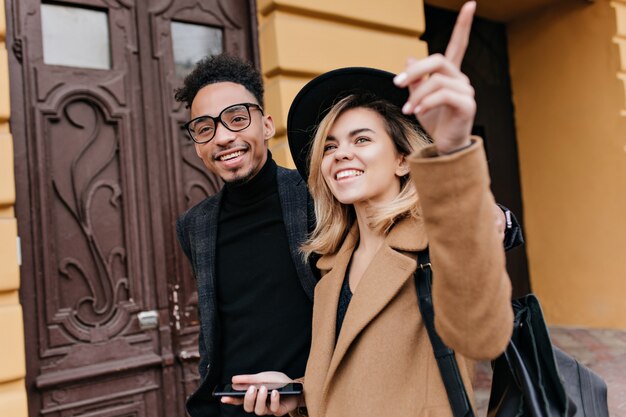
(239, 390)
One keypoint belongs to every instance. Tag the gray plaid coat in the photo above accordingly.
(197, 234)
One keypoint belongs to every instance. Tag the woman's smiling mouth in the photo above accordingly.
(348, 173)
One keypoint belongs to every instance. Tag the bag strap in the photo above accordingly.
(448, 368)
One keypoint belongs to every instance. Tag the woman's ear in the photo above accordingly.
(268, 127)
(403, 166)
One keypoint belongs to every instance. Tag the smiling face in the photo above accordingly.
(361, 165)
(235, 157)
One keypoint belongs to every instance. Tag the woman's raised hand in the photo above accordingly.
(441, 96)
(261, 401)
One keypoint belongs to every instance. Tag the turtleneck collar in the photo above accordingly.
(258, 187)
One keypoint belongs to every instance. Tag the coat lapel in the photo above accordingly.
(293, 196)
(387, 273)
(325, 318)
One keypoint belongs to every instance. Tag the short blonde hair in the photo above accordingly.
(334, 219)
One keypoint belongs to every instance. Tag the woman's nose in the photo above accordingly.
(343, 152)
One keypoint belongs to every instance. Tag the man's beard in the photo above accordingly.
(240, 180)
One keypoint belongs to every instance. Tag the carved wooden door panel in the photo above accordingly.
(174, 27)
(103, 169)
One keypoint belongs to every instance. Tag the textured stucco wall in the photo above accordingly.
(300, 39)
(568, 65)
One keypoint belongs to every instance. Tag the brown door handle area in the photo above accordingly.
(148, 319)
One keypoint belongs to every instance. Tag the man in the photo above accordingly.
(255, 291)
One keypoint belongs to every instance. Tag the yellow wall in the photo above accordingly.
(300, 39)
(12, 361)
(569, 95)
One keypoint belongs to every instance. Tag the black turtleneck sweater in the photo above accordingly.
(265, 315)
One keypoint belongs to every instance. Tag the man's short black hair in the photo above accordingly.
(220, 68)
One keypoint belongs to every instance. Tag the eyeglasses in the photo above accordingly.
(234, 118)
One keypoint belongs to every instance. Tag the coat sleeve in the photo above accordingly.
(183, 240)
(471, 288)
(200, 403)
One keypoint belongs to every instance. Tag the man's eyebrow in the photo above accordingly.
(352, 133)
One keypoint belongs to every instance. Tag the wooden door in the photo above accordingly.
(486, 63)
(103, 168)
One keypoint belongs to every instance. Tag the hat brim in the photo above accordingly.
(318, 96)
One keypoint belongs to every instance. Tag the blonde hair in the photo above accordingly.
(334, 219)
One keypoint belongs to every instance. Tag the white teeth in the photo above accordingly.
(349, 173)
(230, 156)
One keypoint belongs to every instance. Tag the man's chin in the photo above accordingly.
(238, 179)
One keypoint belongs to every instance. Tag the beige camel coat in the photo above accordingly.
(382, 364)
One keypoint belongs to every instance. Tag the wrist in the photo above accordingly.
(466, 144)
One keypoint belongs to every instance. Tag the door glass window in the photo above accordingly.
(75, 37)
(192, 42)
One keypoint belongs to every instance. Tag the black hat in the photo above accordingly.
(318, 96)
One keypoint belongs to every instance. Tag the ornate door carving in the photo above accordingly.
(186, 177)
(103, 170)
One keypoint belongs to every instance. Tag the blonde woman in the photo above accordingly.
(383, 193)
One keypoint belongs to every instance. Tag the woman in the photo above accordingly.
(370, 353)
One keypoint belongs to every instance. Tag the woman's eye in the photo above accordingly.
(361, 140)
(329, 148)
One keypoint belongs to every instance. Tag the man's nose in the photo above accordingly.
(222, 134)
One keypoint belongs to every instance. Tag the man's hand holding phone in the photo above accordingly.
(259, 399)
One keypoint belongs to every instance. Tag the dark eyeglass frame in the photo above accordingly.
(218, 119)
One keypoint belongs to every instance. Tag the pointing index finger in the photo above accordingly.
(460, 34)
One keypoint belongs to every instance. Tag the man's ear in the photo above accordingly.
(268, 127)
(403, 166)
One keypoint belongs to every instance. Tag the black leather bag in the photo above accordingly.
(531, 378)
